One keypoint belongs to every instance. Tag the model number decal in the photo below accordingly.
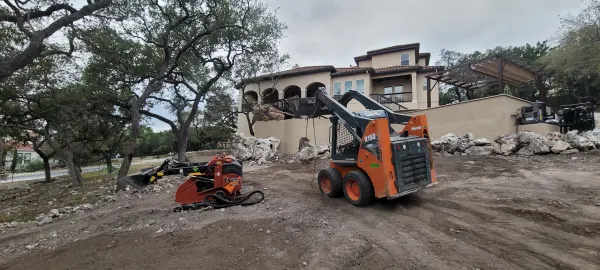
(372, 114)
(370, 137)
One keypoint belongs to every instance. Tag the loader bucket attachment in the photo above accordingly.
(138, 180)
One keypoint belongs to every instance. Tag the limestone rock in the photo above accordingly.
(482, 142)
(466, 141)
(480, 150)
(559, 146)
(307, 152)
(448, 143)
(506, 144)
(250, 148)
(44, 221)
(267, 112)
(593, 136)
(54, 213)
(579, 142)
(569, 152)
(554, 136)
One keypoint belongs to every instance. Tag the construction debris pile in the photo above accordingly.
(254, 149)
(43, 219)
(267, 112)
(524, 143)
(308, 151)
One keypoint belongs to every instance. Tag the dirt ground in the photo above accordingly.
(485, 213)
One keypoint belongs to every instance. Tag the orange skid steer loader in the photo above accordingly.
(369, 159)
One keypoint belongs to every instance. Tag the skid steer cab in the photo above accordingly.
(369, 159)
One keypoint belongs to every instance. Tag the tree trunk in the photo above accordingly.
(129, 148)
(109, 166)
(250, 124)
(1, 153)
(47, 171)
(46, 160)
(181, 144)
(68, 156)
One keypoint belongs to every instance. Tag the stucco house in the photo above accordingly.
(394, 76)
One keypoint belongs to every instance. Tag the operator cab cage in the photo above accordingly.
(346, 131)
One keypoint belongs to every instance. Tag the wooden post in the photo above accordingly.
(429, 92)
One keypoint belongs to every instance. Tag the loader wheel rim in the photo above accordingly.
(325, 184)
(353, 189)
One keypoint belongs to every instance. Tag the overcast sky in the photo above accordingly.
(333, 32)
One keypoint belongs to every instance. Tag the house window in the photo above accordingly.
(404, 59)
(337, 88)
(347, 86)
(425, 86)
(396, 93)
(27, 158)
(360, 86)
(398, 89)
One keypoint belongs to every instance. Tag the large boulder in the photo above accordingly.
(531, 143)
(506, 144)
(593, 136)
(448, 143)
(250, 148)
(559, 147)
(579, 142)
(267, 112)
(482, 142)
(307, 151)
(466, 141)
(554, 136)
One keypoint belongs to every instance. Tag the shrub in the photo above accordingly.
(34, 165)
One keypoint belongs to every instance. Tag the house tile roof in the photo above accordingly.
(295, 72)
(394, 69)
(351, 70)
(395, 48)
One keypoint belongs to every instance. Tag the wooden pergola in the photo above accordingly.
(494, 72)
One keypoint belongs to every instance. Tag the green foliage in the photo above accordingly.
(34, 166)
(459, 62)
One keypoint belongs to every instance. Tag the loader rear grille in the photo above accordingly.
(411, 162)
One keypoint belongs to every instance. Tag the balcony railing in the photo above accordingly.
(392, 98)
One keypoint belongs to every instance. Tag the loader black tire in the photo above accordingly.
(358, 189)
(330, 182)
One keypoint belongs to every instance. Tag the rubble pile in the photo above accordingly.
(452, 144)
(308, 151)
(43, 219)
(524, 143)
(253, 149)
(267, 112)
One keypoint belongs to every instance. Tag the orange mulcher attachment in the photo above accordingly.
(218, 183)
